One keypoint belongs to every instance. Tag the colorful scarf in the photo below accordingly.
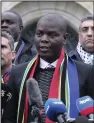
(64, 85)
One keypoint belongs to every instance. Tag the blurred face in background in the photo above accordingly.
(7, 55)
(10, 23)
(86, 35)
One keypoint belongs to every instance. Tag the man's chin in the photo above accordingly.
(89, 49)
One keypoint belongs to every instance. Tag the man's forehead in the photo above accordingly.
(87, 23)
(48, 24)
(46, 21)
(47, 28)
(54, 21)
(9, 15)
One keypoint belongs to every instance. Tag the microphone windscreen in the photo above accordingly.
(34, 93)
(6, 95)
(81, 119)
(54, 107)
(85, 105)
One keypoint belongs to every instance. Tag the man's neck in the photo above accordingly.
(50, 60)
(5, 69)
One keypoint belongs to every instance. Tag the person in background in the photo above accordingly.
(12, 22)
(85, 49)
(58, 76)
(7, 55)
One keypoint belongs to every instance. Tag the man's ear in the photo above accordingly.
(21, 28)
(13, 55)
(65, 38)
(79, 35)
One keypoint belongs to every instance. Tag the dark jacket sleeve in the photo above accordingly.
(91, 82)
(86, 78)
(10, 112)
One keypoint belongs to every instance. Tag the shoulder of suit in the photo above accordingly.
(20, 66)
(82, 65)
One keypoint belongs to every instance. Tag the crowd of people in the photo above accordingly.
(58, 74)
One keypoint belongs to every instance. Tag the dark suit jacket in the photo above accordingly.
(28, 52)
(74, 55)
(86, 80)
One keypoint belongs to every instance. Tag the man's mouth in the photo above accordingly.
(4, 29)
(90, 40)
(44, 48)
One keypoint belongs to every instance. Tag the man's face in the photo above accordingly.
(6, 54)
(49, 39)
(86, 35)
(10, 23)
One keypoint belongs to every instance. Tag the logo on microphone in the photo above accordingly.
(59, 102)
(84, 101)
(47, 109)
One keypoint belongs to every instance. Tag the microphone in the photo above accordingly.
(34, 94)
(35, 98)
(85, 106)
(81, 119)
(56, 111)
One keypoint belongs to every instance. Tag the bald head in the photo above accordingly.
(55, 19)
(17, 16)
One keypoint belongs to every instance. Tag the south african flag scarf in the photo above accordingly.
(64, 85)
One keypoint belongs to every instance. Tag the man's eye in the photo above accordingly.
(39, 34)
(53, 35)
(9, 22)
(84, 29)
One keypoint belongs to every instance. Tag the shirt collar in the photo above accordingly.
(44, 64)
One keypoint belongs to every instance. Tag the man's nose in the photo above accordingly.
(90, 32)
(4, 25)
(45, 39)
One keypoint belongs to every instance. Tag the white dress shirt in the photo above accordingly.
(44, 64)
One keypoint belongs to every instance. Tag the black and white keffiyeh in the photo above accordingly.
(87, 58)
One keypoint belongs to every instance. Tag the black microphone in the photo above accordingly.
(35, 99)
(82, 119)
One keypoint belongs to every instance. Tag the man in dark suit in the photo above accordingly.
(85, 48)
(58, 75)
(12, 22)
